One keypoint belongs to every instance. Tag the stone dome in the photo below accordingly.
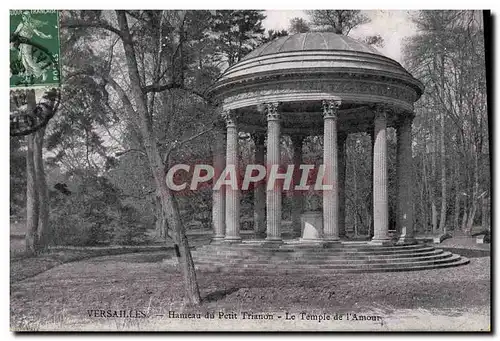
(302, 70)
(311, 41)
(311, 58)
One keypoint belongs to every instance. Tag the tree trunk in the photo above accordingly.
(472, 216)
(422, 210)
(186, 263)
(32, 208)
(425, 208)
(475, 192)
(456, 212)
(433, 180)
(43, 229)
(32, 199)
(159, 219)
(169, 203)
(442, 221)
(464, 216)
(484, 213)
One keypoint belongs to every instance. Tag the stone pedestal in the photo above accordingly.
(312, 226)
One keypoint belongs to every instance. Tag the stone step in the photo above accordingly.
(376, 262)
(313, 255)
(273, 272)
(331, 267)
(334, 263)
(301, 247)
(318, 248)
(313, 258)
(347, 253)
(368, 260)
(311, 251)
(351, 245)
(253, 257)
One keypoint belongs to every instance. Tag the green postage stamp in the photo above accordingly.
(34, 49)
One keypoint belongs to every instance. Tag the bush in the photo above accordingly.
(92, 214)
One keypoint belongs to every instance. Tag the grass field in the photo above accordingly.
(61, 297)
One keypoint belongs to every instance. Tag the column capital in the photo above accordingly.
(380, 110)
(271, 111)
(230, 117)
(331, 108)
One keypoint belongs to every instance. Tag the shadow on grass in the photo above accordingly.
(218, 295)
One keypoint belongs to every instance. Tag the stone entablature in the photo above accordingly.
(298, 90)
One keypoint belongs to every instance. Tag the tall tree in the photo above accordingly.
(447, 54)
(238, 32)
(342, 22)
(37, 201)
(155, 77)
(337, 21)
(298, 25)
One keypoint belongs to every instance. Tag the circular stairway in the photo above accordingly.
(294, 257)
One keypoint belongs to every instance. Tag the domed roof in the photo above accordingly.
(311, 41)
(315, 66)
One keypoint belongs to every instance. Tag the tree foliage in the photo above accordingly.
(238, 32)
(92, 213)
(337, 21)
(298, 25)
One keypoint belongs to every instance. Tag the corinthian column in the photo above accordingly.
(219, 196)
(297, 198)
(330, 160)
(380, 203)
(232, 194)
(259, 192)
(273, 196)
(405, 182)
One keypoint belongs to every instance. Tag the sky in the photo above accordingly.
(392, 25)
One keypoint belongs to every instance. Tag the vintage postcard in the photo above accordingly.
(250, 170)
